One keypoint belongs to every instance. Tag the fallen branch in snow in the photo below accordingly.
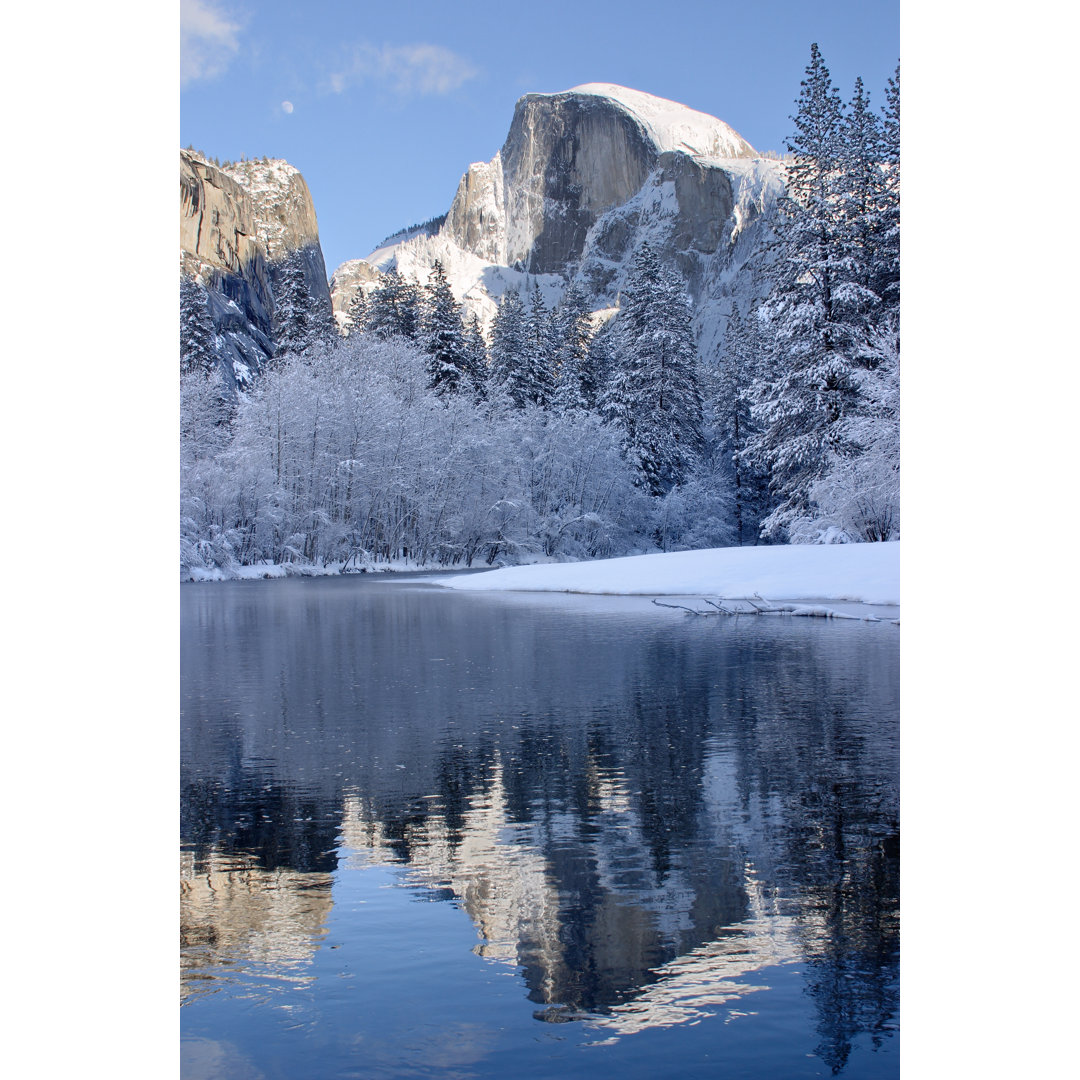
(758, 605)
(681, 607)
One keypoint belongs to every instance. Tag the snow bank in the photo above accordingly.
(866, 573)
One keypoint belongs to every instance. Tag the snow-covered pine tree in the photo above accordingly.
(508, 345)
(292, 326)
(198, 348)
(575, 382)
(356, 316)
(886, 281)
(654, 396)
(740, 367)
(601, 363)
(301, 319)
(536, 375)
(444, 339)
(394, 308)
(861, 185)
(816, 334)
(476, 354)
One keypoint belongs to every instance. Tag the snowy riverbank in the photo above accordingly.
(863, 573)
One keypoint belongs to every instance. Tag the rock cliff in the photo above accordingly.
(583, 179)
(238, 224)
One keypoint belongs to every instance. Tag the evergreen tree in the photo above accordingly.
(575, 379)
(813, 310)
(536, 376)
(886, 280)
(394, 308)
(861, 184)
(301, 319)
(739, 368)
(198, 348)
(601, 364)
(508, 347)
(654, 397)
(356, 317)
(476, 356)
(448, 366)
(293, 330)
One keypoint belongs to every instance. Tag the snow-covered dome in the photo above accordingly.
(672, 126)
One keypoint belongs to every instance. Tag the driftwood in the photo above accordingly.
(760, 606)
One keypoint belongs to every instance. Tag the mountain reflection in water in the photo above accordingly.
(643, 815)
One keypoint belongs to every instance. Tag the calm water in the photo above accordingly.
(428, 833)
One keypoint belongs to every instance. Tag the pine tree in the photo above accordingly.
(356, 317)
(293, 329)
(861, 184)
(508, 345)
(886, 280)
(476, 356)
(739, 368)
(818, 331)
(394, 308)
(448, 366)
(654, 397)
(575, 382)
(198, 348)
(536, 375)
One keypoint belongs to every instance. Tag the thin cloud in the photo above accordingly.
(208, 40)
(419, 70)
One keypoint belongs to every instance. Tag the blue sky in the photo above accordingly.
(388, 103)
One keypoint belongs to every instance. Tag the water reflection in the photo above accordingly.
(642, 815)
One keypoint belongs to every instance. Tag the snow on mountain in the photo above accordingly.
(584, 178)
(673, 126)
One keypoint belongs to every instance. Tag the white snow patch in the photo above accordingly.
(672, 126)
(865, 573)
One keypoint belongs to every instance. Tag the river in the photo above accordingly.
(439, 834)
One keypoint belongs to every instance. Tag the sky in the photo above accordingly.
(383, 107)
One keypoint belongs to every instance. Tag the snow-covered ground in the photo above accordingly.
(863, 573)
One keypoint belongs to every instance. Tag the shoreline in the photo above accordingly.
(807, 580)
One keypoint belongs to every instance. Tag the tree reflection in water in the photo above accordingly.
(640, 816)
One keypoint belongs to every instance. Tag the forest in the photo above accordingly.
(411, 435)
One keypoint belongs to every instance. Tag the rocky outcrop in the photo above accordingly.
(584, 178)
(284, 219)
(238, 224)
(571, 157)
(348, 278)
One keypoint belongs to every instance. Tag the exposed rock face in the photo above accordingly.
(217, 218)
(284, 218)
(348, 278)
(571, 157)
(584, 178)
(237, 225)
